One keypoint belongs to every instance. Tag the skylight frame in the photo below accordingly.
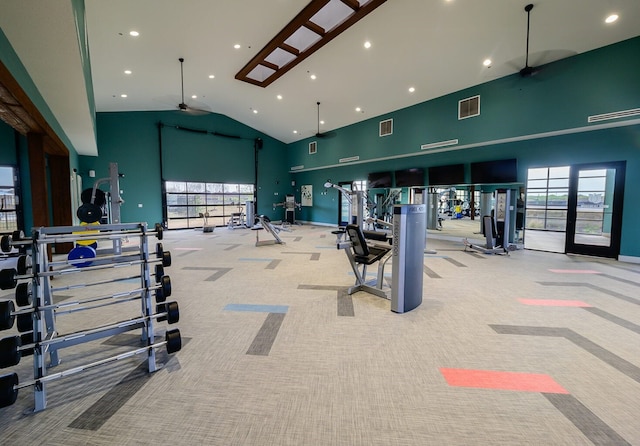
(303, 20)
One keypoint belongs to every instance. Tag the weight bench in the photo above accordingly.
(265, 223)
(360, 255)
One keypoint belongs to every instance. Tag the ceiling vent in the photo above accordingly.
(350, 159)
(439, 144)
(297, 167)
(614, 115)
(468, 108)
(313, 148)
(386, 127)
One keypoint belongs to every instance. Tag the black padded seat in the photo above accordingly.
(362, 252)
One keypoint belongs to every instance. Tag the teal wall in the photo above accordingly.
(132, 140)
(540, 121)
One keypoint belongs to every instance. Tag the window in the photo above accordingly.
(188, 202)
(8, 200)
(313, 147)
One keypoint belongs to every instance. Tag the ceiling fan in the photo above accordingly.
(182, 106)
(527, 70)
(326, 134)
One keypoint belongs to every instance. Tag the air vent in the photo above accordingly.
(468, 108)
(437, 145)
(313, 147)
(614, 115)
(386, 127)
(297, 168)
(348, 160)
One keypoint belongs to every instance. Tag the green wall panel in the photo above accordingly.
(132, 140)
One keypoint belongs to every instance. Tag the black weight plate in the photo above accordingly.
(159, 273)
(89, 213)
(8, 279)
(166, 259)
(24, 322)
(159, 231)
(159, 250)
(7, 317)
(23, 294)
(5, 244)
(26, 339)
(16, 236)
(174, 341)
(161, 308)
(166, 286)
(8, 391)
(9, 353)
(100, 199)
(21, 265)
(173, 313)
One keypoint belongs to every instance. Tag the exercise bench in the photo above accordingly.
(362, 254)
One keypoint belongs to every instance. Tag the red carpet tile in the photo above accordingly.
(554, 302)
(488, 379)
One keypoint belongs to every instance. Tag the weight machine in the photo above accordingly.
(289, 204)
(496, 227)
(356, 199)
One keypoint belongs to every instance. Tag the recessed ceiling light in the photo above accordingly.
(358, 109)
(193, 96)
(237, 46)
(487, 62)
(612, 18)
(295, 132)
(321, 122)
(367, 44)
(134, 33)
(123, 95)
(412, 89)
(211, 76)
(313, 77)
(127, 71)
(279, 97)
(255, 112)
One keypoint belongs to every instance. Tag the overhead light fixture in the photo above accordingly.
(295, 132)
(237, 46)
(123, 95)
(134, 33)
(487, 62)
(612, 18)
(127, 71)
(255, 112)
(211, 76)
(412, 89)
(358, 109)
(315, 26)
(279, 97)
(367, 44)
(313, 77)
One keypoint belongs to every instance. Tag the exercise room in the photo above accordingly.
(312, 222)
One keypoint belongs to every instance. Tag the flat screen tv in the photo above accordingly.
(494, 172)
(410, 177)
(446, 175)
(379, 180)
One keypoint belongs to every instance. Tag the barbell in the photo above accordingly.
(23, 317)
(11, 347)
(10, 385)
(18, 239)
(9, 277)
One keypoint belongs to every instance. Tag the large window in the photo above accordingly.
(188, 201)
(8, 211)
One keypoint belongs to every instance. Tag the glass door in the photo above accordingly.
(594, 214)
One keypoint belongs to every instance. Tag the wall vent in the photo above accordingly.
(348, 160)
(386, 127)
(297, 168)
(437, 145)
(313, 147)
(468, 108)
(614, 115)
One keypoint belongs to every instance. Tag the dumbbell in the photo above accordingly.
(10, 385)
(11, 347)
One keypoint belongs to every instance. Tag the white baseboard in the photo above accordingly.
(629, 259)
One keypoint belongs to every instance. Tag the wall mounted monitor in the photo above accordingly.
(410, 177)
(379, 180)
(494, 172)
(446, 175)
